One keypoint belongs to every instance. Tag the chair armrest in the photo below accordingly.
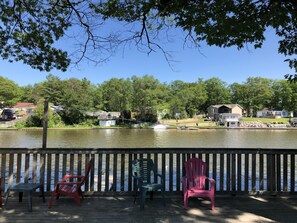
(212, 183)
(184, 183)
(162, 177)
(60, 184)
(139, 181)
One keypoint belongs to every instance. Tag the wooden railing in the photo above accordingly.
(235, 170)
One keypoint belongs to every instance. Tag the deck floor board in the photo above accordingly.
(122, 209)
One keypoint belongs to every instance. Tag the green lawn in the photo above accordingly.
(266, 120)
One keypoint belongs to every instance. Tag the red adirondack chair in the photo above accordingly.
(71, 186)
(195, 180)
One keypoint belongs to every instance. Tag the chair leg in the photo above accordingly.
(52, 199)
(135, 196)
(151, 195)
(143, 195)
(77, 198)
(212, 203)
(163, 197)
(186, 200)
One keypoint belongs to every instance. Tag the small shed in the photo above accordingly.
(107, 122)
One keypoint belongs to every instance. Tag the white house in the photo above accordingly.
(108, 118)
(270, 113)
(106, 123)
(230, 119)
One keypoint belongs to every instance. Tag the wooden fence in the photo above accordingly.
(235, 170)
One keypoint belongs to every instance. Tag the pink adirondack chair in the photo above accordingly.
(73, 188)
(195, 180)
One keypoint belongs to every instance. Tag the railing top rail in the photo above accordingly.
(179, 150)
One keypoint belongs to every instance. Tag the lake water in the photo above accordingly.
(140, 138)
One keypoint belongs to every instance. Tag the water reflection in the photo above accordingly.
(141, 138)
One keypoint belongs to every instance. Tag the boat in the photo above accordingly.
(160, 126)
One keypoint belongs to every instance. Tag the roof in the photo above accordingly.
(226, 105)
(24, 105)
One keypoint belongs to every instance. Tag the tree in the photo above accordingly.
(187, 98)
(241, 95)
(30, 30)
(217, 92)
(148, 95)
(259, 93)
(293, 104)
(52, 89)
(282, 95)
(9, 92)
(117, 95)
(77, 100)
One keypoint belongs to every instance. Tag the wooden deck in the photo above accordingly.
(122, 209)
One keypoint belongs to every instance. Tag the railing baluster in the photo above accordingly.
(92, 172)
(233, 173)
(57, 162)
(285, 172)
(19, 168)
(27, 161)
(171, 172)
(261, 172)
(10, 169)
(278, 172)
(228, 179)
(254, 172)
(246, 172)
(49, 172)
(99, 187)
(122, 188)
(239, 168)
(178, 176)
(214, 169)
(107, 172)
(292, 183)
(3, 170)
(222, 172)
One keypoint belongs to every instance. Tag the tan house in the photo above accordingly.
(24, 108)
(215, 110)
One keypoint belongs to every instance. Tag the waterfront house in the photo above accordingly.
(215, 110)
(230, 119)
(24, 108)
(270, 113)
(108, 118)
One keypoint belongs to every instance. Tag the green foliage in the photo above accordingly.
(217, 92)
(117, 95)
(9, 92)
(148, 95)
(148, 98)
(31, 30)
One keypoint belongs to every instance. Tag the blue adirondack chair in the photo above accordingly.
(144, 171)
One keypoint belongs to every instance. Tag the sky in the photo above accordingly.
(228, 64)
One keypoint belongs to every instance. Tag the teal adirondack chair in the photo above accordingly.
(144, 171)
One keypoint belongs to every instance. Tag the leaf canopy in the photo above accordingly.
(30, 30)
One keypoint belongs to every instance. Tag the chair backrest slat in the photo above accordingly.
(196, 172)
(87, 171)
(143, 169)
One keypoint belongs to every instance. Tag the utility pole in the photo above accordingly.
(45, 120)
